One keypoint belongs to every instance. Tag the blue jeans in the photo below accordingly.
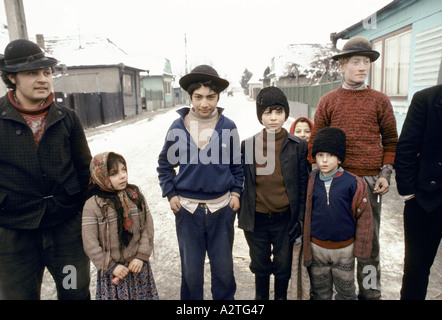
(24, 254)
(197, 234)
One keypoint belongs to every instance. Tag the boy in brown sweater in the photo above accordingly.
(273, 200)
(366, 116)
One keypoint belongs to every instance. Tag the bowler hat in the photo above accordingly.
(201, 74)
(24, 55)
(357, 46)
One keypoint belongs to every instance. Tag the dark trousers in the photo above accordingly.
(24, 254)
(423, 233)
(270, 236)
(201, 232)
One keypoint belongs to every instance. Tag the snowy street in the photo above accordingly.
(140, 141)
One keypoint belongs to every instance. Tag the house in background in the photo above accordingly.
(157, 83)
(255, 85)
(300, 64)
(180, 95)
(408, 34)
(96, 66)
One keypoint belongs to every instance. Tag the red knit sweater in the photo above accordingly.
(368, 120)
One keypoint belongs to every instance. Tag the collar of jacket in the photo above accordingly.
(183, 111)
(9, 112)
(249, 159)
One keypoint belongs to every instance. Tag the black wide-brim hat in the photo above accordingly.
(24, 55)
(357, 46)
(202, 74)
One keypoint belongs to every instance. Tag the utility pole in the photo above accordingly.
(185, 52)
(15, 15)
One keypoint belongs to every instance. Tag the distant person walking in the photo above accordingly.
(418, 166)
(44, 174)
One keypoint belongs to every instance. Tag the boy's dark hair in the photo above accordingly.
(6, 80)
(196, 85)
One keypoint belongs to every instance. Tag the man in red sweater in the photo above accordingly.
(366, 116)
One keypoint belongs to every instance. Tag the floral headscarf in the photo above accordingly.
(100, 176)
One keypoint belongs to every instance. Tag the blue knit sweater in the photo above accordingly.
(332, 219)
(203, 174)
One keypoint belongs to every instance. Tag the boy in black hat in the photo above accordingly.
(204, 194)
(338, 220)
(44, 167)
(273, 199)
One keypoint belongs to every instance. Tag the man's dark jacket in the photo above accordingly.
(295, 171)
(418, 161)
(49, 180)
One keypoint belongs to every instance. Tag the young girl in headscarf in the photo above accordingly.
(117, 232)
(302, 128)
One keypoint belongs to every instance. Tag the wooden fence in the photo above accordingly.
(93, 109)
(153, 99)
(309, 95)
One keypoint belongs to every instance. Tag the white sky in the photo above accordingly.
(231, 35)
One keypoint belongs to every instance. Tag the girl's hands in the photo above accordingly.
(135, 265)
(120, 271)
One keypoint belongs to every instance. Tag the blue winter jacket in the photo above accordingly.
(203, 174)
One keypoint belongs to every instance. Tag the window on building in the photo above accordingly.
(167, 87)
(127, 83)
(391, 72)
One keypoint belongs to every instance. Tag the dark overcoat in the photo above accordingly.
(418, 162)
(49, 180)
(295, 171)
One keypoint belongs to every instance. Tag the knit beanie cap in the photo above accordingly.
(271, 96)
(331, 140)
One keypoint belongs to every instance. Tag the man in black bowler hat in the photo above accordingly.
(44, 174)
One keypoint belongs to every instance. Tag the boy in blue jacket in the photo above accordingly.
(204, 194)
(338, 220)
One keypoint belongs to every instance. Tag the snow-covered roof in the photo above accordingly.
(304, 56)
(89, 51)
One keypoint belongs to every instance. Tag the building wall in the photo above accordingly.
(88, 80)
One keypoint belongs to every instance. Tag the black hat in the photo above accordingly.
(24, 55)
(271, 96)
(201, 74)
(357, 46)
(331, 140)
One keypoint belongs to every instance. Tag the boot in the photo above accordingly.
(281, 286)
(262, 286)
